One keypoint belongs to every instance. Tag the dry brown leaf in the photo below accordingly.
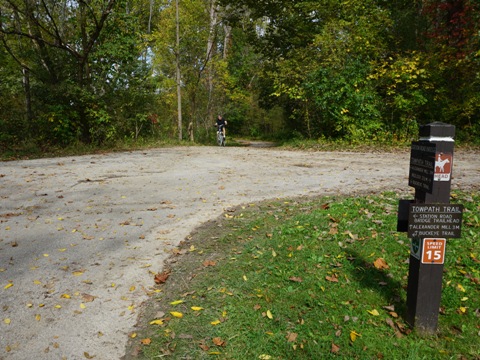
(380, 264)
(333, 229)
(204, 347)
(218, 341)
(291, 336)
(296, 279)
(335, 348)
(88, 297)
(207, 263)
(162, 277)
(332, 278)
(146, 341)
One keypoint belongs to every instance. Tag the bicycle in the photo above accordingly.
(220, 137)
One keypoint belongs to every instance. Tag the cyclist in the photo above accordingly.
(221, 123)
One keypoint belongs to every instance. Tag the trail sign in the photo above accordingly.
(433, 251)
(443, 166)
(435, 220)
(422, 165)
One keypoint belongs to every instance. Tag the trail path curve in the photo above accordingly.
(81, 236)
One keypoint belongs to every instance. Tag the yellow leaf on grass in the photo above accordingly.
(133, 335)
(464, 299)
(373, 312)
(156, 322)
(463, 309)
(215, 322)
(245, 278)
(176, 314)
(269, 314)
(196, 308)
(176, 302)
(460, 288)
(354, 335)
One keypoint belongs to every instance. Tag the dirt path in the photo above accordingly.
(81, 236)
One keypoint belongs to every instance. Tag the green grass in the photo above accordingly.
(284, 280)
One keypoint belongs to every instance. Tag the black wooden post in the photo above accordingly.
(425, 279)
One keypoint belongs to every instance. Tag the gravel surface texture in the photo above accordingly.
(81, 237)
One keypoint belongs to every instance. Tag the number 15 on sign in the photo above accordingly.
(433, 251)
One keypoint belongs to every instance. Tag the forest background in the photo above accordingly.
(102, 71)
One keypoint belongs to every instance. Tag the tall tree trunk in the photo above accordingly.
(28, 99)
(177, 59)
(210, 52)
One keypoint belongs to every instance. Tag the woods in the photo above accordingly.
(101, 71)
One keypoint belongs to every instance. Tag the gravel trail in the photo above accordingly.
(80, 237)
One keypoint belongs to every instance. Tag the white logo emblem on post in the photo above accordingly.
(443, 166)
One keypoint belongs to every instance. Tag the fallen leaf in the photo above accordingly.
(296, 279)
(162, 277)
(9, 285)
(196, 308)
(38, 317)
(291, 337)
(332, 278)
(373, 312)
(176, 314)
(354, 335)
(7, 321)
(204, 347)
(176, 302)
(156, 322)
(460, 288)
(335, 348)
(215, 322)
(218, 341)
(146, 341)
(269, 314)
(381, 264)
(65, 296)
(88, 356)
(207, 263)
(88, 297)
(77, 273)
(389, 307)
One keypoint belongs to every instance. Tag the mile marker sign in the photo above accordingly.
(433, 251)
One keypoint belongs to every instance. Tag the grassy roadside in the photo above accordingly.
(308, 279)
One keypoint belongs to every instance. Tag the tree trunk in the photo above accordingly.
(177, 59)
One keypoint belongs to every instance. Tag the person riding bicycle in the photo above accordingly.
(221, 123)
